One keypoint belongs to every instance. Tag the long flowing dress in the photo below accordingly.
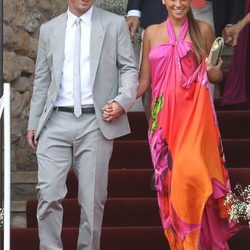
(185, 144)
(237, 86)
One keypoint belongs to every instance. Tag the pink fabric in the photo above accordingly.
(214, 231)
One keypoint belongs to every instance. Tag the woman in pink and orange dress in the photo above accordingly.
(184, 138)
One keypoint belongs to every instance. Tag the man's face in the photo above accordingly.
(79, 7)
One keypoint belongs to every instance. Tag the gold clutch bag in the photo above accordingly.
(216, 51)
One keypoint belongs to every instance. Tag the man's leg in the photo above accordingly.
(92, 153)
(54, 154)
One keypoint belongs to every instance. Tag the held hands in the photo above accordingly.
(30, 137)
(112, 111)
(133, 24)
(231, 34)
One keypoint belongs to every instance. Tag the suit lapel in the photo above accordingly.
(58, 43)
(96, 42)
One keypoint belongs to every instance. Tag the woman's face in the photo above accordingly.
(177, 8)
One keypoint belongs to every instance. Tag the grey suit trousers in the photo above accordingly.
(66, 140)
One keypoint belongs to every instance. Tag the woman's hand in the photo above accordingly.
(214, 73)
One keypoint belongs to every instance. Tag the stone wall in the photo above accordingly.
(22, 19)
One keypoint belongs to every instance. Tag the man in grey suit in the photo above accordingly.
(64, 134)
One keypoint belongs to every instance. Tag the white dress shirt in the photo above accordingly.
(134, 13)
(65, 95)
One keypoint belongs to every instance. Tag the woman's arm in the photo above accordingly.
(231, 33)
(245, 20)
(145, 75)
(214, 73)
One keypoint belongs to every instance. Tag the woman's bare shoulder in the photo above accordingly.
(153, 29)
(205, 28)
(207, 35)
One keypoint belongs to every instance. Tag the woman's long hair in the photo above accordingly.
(195, 35)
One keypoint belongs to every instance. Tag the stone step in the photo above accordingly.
(18, 214)
(18, 208)
(118, 238)
(24, 177)
(23, 185)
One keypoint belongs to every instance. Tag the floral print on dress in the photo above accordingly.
(157, 107)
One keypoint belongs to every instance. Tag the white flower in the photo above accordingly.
(239, 202)
(1, 216)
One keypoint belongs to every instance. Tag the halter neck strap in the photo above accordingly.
(171, 33)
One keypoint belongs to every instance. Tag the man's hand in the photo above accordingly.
(133, 24)
(112, 111)
(30, 137)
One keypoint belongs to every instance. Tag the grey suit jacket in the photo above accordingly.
(111, 55)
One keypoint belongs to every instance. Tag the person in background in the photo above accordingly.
(232, 33)
(67, 125)
(190, 174)
(237, 86)
(226, 13)
(145, 12)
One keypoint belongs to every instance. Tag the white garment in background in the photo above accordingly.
(205, 13)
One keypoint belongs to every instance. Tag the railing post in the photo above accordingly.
(1, 123)
(7, 166)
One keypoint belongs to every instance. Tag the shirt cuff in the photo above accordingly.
(134, 13)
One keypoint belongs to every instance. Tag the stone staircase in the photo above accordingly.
(23, 188)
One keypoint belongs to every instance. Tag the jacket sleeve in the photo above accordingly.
(128, 68)
(235, 11)
(41, 82)
(135, 5)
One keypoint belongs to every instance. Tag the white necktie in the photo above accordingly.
(76, 73)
